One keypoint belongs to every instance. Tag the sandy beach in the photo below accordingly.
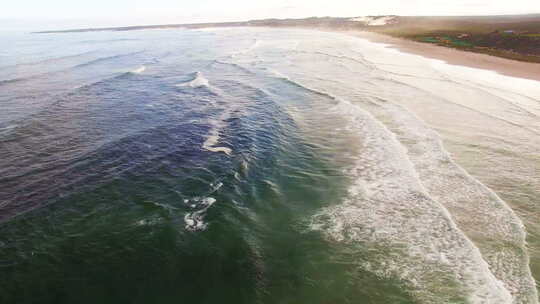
(503, 66)
(264, 165)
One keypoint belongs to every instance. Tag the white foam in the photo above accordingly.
(388, 207)
(212, 141)
(419, 215)
(255, 45)
(249, 49)
(477, 210)
(216, 186)
(139, 70)
(195, 220)
(198, 81)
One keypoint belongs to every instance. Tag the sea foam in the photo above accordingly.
(486, 219)
(139, 70)
(195, 220)
(411, 236)
(198, 81)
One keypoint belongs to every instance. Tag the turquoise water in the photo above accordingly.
(234, 166)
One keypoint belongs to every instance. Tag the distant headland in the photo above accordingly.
(514, 37)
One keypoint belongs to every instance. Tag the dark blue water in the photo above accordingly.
(190, 167)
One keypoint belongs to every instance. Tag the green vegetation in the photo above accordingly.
(446, 40)
(531, 35)
(429, 39)
(512, 37)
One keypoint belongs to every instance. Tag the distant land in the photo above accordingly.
(509, 36)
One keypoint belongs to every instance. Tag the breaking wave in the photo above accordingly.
(297, 157)
(139, 70)
(403, 206)
(198, 81)
(107, 58)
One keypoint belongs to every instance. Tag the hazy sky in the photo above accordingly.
(69, 13)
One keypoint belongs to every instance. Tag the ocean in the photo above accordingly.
(256, 165)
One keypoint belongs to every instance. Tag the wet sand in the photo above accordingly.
(500, 65)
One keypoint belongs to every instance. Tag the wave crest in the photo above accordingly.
(198, 81)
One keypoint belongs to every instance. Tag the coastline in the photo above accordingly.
(406, 133)
(452, 56)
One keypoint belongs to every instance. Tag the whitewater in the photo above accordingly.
(262, 166)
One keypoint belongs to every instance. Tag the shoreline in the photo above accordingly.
(452, 56)
(503, 66)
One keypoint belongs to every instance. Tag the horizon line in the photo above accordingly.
(125, 27)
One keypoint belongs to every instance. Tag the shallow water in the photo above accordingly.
(262, 166)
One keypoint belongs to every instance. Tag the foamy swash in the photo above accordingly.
(199, 81)
(398, 206)
(281, 166)
(425, 219)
